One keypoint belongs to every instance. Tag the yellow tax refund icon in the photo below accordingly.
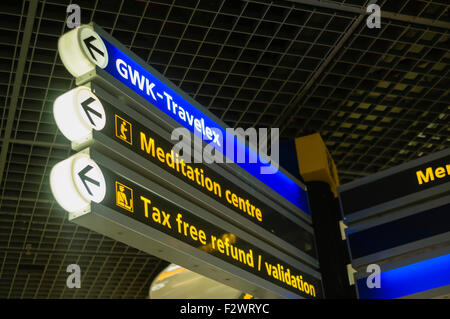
(123, 130)
(124, 197)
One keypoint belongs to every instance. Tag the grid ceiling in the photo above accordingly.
(379, 97)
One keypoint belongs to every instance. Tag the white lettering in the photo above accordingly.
(150, 87)
(134, 77)
(121, 67)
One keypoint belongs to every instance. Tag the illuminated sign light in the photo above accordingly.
(77, 113)
(407, 280)
(77, 181)
(81, 50)
(151, 146)
(154, 88)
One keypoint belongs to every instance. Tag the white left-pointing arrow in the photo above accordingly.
(81, 50)
(89, 179)
(77, 112)
(94, 47)
(76, 181)
(90, 108)
(85, 179)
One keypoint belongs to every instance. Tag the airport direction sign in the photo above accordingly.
(424, 226)
(108, 198)
(152, 153)
(398, 218)
(415, 277)
(89, 53)
(398, 210)
(402, 185)
(126, 205)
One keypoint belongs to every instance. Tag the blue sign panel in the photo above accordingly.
(413, 228)
(407, 280)
(151, 86)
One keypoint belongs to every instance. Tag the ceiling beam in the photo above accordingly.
(331, 5)
(37, 143)
(353, 173)
(31, 15)
(384, 14)
(28, 199)
(67, 252)
(416, 20)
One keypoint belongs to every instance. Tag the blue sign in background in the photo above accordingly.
(407, 280)
(279, 182)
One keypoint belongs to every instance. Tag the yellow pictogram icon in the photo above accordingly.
(124, 197)
(123, 130)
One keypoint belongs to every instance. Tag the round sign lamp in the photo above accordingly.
(81, 49)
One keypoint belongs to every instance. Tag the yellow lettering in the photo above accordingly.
(147, 145)
(213, 242)
(147, 202)
(439, 172)
(156, 216)
(166, 221)
(179, 221)
(241, 204)
(160, 154)
(193, 233)
(185, 227)
(202, 237)
(235, 200)
(220, 246)
(421, 178)
(218, 189)
(227, 195)
(258, 214)
(312, 291)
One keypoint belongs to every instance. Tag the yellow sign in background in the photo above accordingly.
(315, 162)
